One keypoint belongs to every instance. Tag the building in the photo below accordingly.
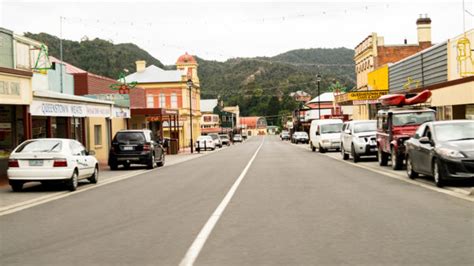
(167, 92)
(300, 96)
(253, 125)
(447, 69)
(373, 53)
(210, 121)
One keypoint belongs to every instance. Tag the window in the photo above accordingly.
(174, 100)
(162, 100)
(97, 134)
(149, 101)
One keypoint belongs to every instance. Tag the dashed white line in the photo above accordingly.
(198, 243)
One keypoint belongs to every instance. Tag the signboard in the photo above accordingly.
(314, 114)
(360, 96)
(119, 112)
(44, 108)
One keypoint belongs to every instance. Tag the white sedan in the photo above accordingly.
(204, 143)
(48, 160)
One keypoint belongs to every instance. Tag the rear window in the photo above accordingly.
(201, 138)
(40, 146)
(127, 137)
(331, 128)
(416, 118)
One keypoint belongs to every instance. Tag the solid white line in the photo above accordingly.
(198, 243)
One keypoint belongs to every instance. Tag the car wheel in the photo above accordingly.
(382, 157)
(162, 161)
(410, 172)
(355, 156)
(73, 182)
(397, 162)
(321, 149)
(213, 149)
(17, 186)
(95, 176)
(113, 166)
(344, 155)
(152, 163)
(437, 174)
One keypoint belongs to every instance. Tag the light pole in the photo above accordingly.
(318, 78)
(190, 87)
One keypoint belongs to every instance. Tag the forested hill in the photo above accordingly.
(97, 56)
(260, 85)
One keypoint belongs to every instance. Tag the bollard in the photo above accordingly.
(198, 147)
(205, 145)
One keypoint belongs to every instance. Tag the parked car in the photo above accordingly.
(285, 135)
(395, 126)
(216, 139)
(205, 143)
(224, 139)
(442, 149)
(325, 134)
(358, 139)
(244, 135)
(51, 160)
(237, 138)
(300, 137)
(136, 147)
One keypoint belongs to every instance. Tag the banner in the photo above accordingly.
(43, 108)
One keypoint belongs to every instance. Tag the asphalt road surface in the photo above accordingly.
(292, 207)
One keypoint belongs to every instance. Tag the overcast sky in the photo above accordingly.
(229, 29)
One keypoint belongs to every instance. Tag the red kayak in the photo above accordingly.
(392, 99)
(405, 99)
(418, 98)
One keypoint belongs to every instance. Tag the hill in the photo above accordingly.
(97, 56)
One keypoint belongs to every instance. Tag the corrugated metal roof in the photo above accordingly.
(70, 69)
(325, 97)
(70, 97)
(208, 105)
(153, 74)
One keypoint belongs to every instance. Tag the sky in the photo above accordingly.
(228, 29)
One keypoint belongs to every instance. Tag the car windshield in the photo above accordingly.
(454, 131)
(41, 146)
(415, 118)
(223, 137)
(214, 136)
(126, 137)
(301, 134)
(201, 138)
(331, 128)
(365, 127)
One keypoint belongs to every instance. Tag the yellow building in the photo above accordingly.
(169, 91)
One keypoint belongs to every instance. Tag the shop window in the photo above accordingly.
(39, 127)
(59, 127)
(97, 135)
(76, 126)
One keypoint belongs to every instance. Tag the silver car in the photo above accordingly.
(358, 139)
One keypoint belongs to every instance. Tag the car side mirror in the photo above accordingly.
(425, 140)
(90, 152)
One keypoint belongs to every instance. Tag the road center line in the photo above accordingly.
(198, 243)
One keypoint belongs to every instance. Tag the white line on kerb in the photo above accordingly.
(198, 243)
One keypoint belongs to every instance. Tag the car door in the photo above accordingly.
(78, 157)
(89, 161)
(348, 137)
(425, 150)
(413, 148)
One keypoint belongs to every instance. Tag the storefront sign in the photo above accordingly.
(121, 112)
(41, 108)
(360, 96)
(10, 88)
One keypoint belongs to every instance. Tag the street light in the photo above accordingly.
(190, 87)
(318, 78)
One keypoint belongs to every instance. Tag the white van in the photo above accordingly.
(325, 134)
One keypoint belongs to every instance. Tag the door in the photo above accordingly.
(78, 157)
(347, 137)
(89, 161)
(425, 150)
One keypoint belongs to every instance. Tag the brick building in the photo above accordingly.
(372, 53)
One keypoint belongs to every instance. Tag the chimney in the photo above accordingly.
(405, 41)
(141, 65)
(423, 26)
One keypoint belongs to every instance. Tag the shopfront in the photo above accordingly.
(15, 96)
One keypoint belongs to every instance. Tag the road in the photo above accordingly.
(292, 207)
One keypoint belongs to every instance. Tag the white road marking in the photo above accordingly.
(198, 243)
(452, 192)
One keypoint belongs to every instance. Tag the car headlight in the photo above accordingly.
(450, 153)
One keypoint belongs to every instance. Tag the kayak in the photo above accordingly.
(418, 98)
(405, 99)
(392, 99)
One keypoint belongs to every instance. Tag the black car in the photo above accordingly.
(442, 149)
(136, 147)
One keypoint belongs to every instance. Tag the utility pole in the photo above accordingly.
(61, 52)
(190, 86)
(318, 78)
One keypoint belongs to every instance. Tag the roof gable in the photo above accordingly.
(153, 74)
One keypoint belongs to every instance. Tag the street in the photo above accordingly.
(292, 207)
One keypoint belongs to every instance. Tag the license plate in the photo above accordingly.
(35, 162)
(128, 148)
(373, 149)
